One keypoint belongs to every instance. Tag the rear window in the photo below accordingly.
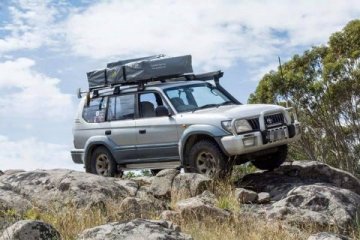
(95, 112)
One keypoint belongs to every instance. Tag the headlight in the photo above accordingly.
(227, 125)
(242, 125)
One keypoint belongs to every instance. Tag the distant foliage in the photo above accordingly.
(323, 86)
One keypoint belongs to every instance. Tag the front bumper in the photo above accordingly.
(259, 140)
(77, 155)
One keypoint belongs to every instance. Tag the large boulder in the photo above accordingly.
(139, 229)
(30, 230)
(280, 181)
(60, 186)
(317, 203)
(10, 200)
(162, 182)
(189, 185)
(306, 192)
(201, 207)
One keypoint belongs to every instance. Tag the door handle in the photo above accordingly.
(142, 131)
(108, 132)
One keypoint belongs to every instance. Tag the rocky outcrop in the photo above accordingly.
(139, 229)
(307, 192)
(61, 187)
(280, 181)
(301, 193)
(327, 236)
(11, 200)
(201, 207)
(30, 230)
(317, 203)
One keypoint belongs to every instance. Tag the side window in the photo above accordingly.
(95, 112)
(148, 102)
(121, 107)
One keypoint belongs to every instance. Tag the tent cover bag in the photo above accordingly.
(135, 70)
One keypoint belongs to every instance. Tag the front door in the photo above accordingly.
(157, 137)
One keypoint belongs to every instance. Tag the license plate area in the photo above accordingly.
(277, 134)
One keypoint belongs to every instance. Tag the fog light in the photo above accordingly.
(249, 142)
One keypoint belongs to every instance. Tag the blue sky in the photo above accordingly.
(46, 47)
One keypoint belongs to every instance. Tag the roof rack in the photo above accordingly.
(142, 83)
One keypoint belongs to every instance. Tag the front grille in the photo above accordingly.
(274, 120)
(254, 123)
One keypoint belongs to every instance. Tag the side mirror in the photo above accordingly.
(162, 111)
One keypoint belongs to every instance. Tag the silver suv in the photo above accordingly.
(193, 123)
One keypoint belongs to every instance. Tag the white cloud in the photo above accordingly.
(30, 154)
(217, 33)
(29, 94)
(33, 24)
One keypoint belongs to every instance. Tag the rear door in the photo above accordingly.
(121, 114)
(157, 137)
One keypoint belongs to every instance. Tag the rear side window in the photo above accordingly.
(121, 107)
(95, 111)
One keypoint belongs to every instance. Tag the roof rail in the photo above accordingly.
(142, 83)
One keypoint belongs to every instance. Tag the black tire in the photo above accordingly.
(272, 161)
(205, 157)
(102, 163)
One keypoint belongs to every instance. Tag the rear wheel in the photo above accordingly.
(205, 157)
(272, 161)
(103, 163)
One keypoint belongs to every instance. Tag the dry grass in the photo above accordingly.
(70, 221)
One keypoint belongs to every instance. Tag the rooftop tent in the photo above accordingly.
(123, 62)
(135, 70)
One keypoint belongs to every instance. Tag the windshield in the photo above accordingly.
(196, 96)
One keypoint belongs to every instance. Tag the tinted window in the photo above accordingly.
(95, 112)
(121, 107)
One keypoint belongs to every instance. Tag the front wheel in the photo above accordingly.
(271, 161)
(205, 157)
(103, 163)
